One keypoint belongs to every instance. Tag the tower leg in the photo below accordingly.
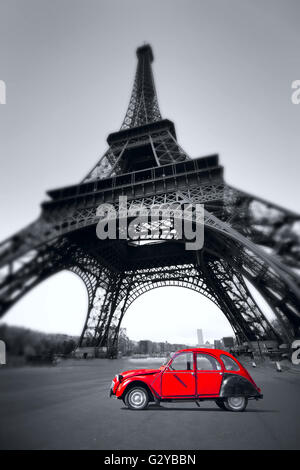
(19, 276)
(105, 293)
(244, 315)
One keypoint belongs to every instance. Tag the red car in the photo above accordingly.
(189, 375)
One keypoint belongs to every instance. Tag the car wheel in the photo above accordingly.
(221, 404)
(137, 398)
(236, 403)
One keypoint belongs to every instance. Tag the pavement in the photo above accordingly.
(67, 407)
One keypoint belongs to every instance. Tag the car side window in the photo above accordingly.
(229, 363)
(182, 362)
(207, 362)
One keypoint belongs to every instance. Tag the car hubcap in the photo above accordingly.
(236, 402)
(137, 398)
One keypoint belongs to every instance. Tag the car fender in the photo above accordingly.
(124, 384)
(236, 385)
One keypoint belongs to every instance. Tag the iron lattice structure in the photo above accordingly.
(247, 239)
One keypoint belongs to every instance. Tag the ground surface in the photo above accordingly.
(67, 407)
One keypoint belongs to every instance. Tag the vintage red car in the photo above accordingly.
(189, 375)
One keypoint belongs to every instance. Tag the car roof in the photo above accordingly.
(215, 352)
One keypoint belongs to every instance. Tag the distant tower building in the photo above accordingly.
(200, 337)
(228, 342)
(217, 344)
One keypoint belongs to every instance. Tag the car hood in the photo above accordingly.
(131, 373)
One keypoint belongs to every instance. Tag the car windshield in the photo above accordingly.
(168, 357)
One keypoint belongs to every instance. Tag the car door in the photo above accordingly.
(179, 380)
(209, 374)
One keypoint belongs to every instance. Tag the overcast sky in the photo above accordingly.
(223, 74)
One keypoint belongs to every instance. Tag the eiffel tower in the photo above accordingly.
(247, 239)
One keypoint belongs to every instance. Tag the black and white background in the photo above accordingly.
(224, 74)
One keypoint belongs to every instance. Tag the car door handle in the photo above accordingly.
(193, 373)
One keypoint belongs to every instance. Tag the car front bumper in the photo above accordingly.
(111, 393)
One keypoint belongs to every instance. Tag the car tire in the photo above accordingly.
(221, 404)
(236, 403)
(137, 398)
